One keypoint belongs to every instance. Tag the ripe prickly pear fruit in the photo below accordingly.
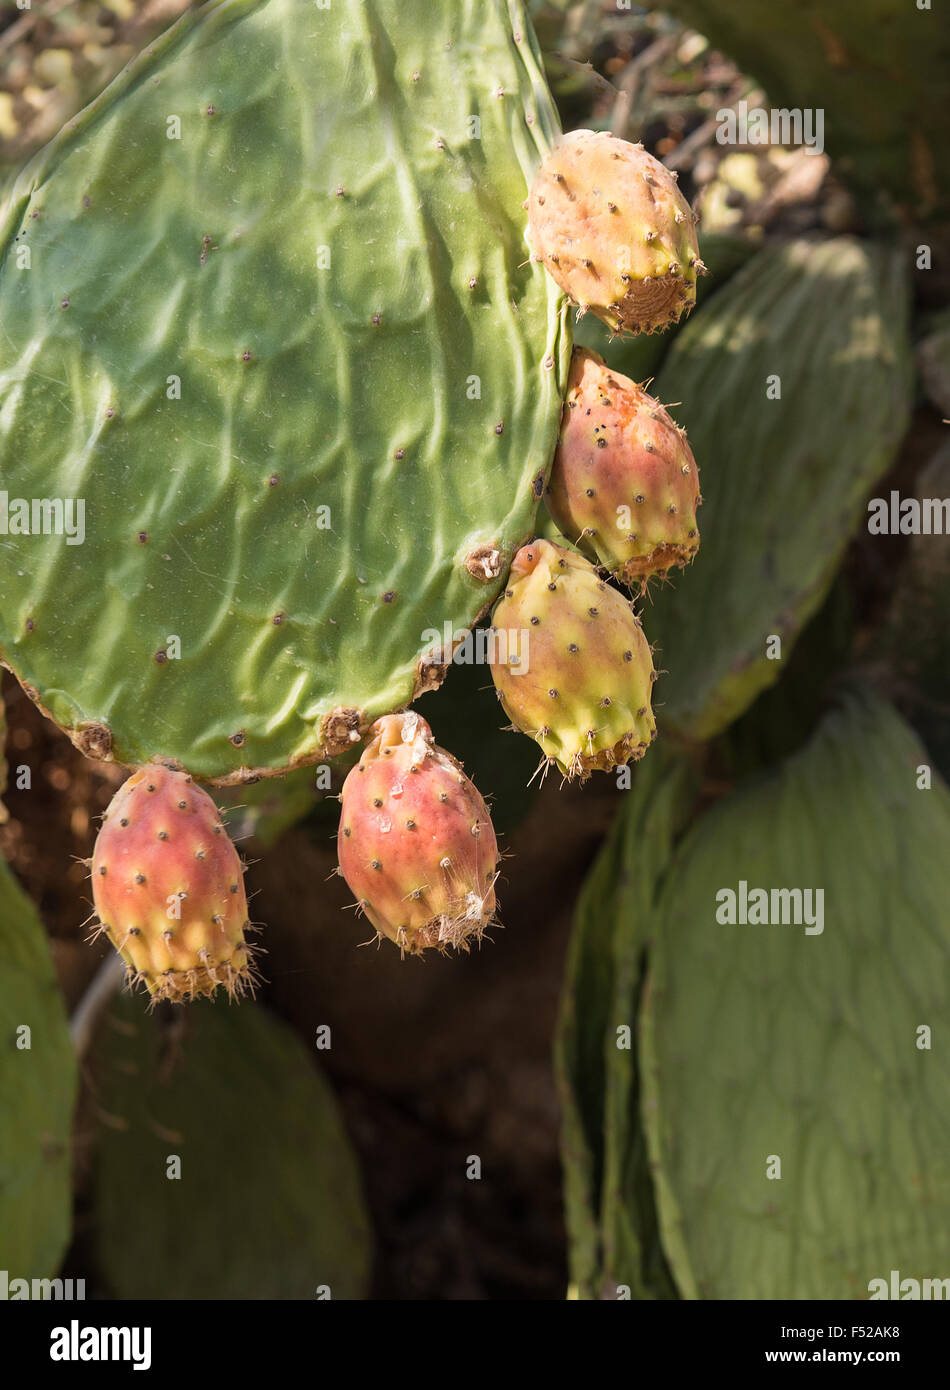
(572, 666)
(169, 888)
(416, 842)
(624, 485)
(615, 232)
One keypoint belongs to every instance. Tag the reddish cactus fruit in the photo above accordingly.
(615, 232)
(416, 842)
(624, 486)
(572, 666)
(169, 888)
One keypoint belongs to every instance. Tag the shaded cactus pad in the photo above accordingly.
(762, 1043)
(268, 1209)
(38, 1089)
(808, 331)
(268, 312)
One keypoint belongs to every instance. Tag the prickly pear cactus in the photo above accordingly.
(624, 487)
(416, 841)
(168, 886)
(640, 356)
(612, 1229)
(794, 1101)
(37, 1086)
(276, 357)
(612, 228)
(670, 1136)
(271, 1205)
(795, 385)
(571, 664)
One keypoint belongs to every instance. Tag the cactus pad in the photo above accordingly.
(269, 313)
(761, 1043)
(794, 383)
(271, 1203)
(38, 1087)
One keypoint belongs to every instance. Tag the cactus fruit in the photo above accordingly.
(169, 888)
(416, 842)
(571, 664)
(615, 232)
(624, 483)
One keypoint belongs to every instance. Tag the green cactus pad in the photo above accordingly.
(269, 1201)
(318, 297)
(608, 1199)
(37, 1091)
(760, 1041)
(580, 1048)
(784, 479)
